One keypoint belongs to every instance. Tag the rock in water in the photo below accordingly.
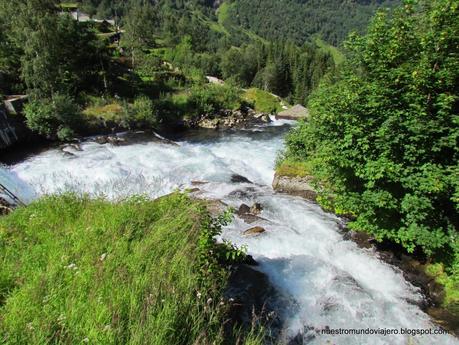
(256, 208)
(299, 186)
(235, 178)
(243, 209)
(256, 230)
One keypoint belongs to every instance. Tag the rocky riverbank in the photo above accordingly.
(225, 119)
(414, 267)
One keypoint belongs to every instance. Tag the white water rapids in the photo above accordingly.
(332, 281)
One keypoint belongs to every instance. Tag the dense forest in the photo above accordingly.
(297, 20)
(382, 140)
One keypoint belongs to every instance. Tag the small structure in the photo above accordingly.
(14, 103)
(296, 112)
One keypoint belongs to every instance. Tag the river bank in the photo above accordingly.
(415, 267)
(323, 279)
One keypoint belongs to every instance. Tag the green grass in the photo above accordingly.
(68, 5)
(263, 101)
(338, 56)
(75, 270)
(292, 168)
(111, 111)
(223, 13)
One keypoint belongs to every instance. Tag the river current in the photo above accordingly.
(330, 281)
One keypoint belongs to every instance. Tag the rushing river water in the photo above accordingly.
(332, 282)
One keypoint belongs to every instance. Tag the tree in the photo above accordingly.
(382, 139)
(139, 25)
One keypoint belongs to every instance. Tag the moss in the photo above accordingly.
(450, 284)
(293, 168)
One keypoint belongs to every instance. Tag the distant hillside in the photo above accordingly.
(297, 20)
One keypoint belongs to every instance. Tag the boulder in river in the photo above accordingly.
(256, 230)
(295, 185)
(256, 208)
(235, 178)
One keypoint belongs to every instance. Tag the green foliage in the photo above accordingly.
(143, 112)
(210, 98)
(53, 118)
(76, 270)
(297, 20)
(382, 139)
(263, 101)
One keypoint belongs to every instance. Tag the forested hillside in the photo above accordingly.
(81, 75)
(297, 20)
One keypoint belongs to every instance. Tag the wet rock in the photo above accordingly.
(215, 207)
(68, 154)
(296, 340)
(101, 140)
(362, 239)
(297, 186)
(248, 214)
(252, 295)
(198, 183)
(256, 230)
(76, 146)
(256, 208)
(263, 117)
(235, 178)
(250, 218)
(243, 193)
(243, 209)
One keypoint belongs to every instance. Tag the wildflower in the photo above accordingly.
(209, 301)
(103, 256)
(86, 340)
(72, 266)
(198, 294)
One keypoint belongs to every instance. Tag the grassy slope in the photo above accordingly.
(263, 101)
(338, 56)
(75, 270)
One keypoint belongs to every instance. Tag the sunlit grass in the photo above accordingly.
(76, 270)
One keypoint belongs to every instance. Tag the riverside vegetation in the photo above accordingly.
(81, 76)
(381, 141)
(80, 270)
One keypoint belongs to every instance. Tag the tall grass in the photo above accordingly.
(75, 270)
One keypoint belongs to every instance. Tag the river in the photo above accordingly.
(330, 281)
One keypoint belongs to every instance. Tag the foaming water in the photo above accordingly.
(330, 281)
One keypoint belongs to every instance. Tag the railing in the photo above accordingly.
(11, 195)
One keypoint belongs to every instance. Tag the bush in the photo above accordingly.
(210, 98)
(143, 113)
(53, 118)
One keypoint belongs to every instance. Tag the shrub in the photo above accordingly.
(53, 118)
(210, 98)
(143, 113)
